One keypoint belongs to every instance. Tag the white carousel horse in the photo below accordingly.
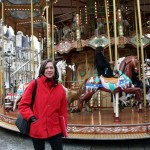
(73, 70)
(66, 31)
(148, 99)
(20, 91)
(61, 67)
(99, 26)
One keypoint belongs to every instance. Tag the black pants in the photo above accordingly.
(55, 142)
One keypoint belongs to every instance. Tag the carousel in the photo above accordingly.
(69, 32)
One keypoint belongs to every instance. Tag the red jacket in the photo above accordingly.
(50, 103)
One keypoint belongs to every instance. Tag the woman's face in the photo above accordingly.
(49, 70)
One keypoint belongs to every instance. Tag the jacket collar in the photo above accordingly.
(45, 80)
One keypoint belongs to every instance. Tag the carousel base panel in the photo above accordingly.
(98, 124)
(109, 136)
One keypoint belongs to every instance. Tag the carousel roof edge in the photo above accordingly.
(66, 46)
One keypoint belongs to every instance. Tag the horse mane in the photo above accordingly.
(125, 62)
(59, 63)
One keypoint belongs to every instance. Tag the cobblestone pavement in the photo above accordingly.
(10, 140)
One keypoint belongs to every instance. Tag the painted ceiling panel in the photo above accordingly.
(23, 14)
(22, 1)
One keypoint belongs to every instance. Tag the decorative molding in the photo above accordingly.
(108, 129)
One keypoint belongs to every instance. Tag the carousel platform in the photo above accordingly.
(98, 124)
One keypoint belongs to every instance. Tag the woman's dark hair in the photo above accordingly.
(42, 69)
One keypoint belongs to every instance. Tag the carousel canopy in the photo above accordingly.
(17, 14)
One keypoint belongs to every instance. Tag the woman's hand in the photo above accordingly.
(32, 119)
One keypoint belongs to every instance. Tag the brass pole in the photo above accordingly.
(115, 32)
(47, 27)
(108, 32)
(136, 27)
(52, 27)
(142, 59)
(2, 69)
(33, 73)
(142, 53)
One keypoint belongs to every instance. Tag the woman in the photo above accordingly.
(102, 66)
(50, 103)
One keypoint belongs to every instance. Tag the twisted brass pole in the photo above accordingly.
(142, 57)
(2, 69)
(108, 32)
(33, 73)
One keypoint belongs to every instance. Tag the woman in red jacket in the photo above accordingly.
(50, 103)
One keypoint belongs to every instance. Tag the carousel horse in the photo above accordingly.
(148, 99)
(113, 85)
(20, 92)
(61, 67)
(66, 32)
(99, 27)
(125, 98)
(74, 92)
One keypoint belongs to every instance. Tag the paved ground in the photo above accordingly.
(15, 141)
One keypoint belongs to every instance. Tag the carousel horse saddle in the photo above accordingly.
(112, 80)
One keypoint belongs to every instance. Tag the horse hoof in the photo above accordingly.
(78, 110)
(133, 105)
(140, 110)
(136, 104)
(121, 106)
(72, 110)
(75, 110)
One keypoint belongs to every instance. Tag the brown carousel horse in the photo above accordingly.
(113, 85)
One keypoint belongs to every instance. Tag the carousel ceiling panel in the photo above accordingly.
(35, 25)
(98, 41)
(133, 41)
(23, 14)
(23, 2)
